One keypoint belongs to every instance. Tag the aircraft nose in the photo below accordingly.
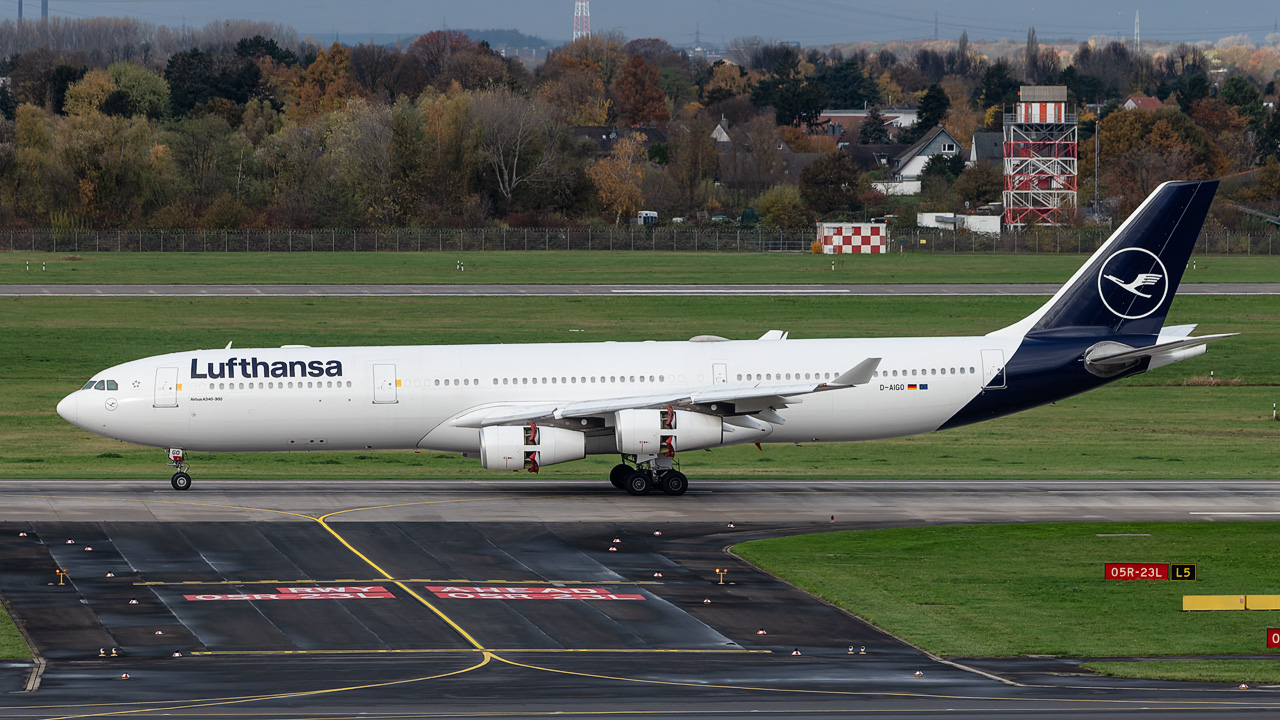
(69, 407)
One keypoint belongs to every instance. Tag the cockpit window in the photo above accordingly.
(88, 385)
(100, 385)
(111, 385)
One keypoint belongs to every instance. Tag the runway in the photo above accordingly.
(335, 599)
(852, 290)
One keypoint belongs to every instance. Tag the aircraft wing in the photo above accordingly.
(754, 398)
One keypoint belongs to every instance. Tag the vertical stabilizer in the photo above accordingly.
(1127, 286)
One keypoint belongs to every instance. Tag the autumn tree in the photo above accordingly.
(577, 98)
(691, 155)
(85, 96)
(781, 207)
(979, 184)
(831, 184)
(640, 98)
(147, 91)
(617, 177)
(726, 81)
(1141, 149)
(325, 86)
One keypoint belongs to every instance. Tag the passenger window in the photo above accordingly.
(913, 372)
(222, 386)
(972, 371)
(961, 371)
(662, 378)
(574, 380)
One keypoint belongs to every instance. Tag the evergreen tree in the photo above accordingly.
(934, 107)
(873, 131)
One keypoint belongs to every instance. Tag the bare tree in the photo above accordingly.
(516, 138)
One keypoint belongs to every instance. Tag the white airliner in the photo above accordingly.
(521, 407)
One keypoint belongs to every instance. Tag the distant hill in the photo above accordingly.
(495, 38)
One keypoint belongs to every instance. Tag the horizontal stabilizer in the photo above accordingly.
(1115, 354)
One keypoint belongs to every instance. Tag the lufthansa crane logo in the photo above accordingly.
(1133, 283)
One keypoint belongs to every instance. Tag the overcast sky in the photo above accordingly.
(805, 21)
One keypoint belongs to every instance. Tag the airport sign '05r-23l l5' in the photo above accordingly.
(520, 407)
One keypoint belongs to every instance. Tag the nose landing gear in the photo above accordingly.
(180, 480)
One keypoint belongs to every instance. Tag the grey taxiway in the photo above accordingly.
(457, 622)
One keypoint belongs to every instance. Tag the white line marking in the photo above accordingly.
(1233, 513)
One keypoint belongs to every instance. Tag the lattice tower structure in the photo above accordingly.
(581, 19)
(1040, 156)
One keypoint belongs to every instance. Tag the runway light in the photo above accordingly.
(706, 601)
(176, 654)
(115, 652)
(833, 518)
(102, 652)
(133, 601)
(657, 574)
(158, 632)
(1243, 686)
(919, 674)
(761, 632)
(70, 542)
(613, 548)
(657, 533)
(88, 549)
(124, 676)
(862, 650)
(796, 651)
(22, 534)
(617, 540)
(111, 574)
(730, 524)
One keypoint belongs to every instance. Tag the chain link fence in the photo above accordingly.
(724, 239)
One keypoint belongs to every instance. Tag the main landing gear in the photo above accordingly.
(641, 476)
(180, 480)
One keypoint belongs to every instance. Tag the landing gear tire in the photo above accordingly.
(181, 481)
(618, 475)
(674, 482)
(638, 483)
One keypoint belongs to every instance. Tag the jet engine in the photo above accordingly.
(663, 432)
(529, 447)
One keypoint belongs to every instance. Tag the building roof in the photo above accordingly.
(1143, 102)
(988, 147)
(922, 143)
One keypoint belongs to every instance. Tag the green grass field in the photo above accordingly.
(11, 643)
(551, 267)
(1007, 590)
(53, 344)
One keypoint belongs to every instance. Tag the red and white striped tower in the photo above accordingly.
(1039, 158)
(581, 19)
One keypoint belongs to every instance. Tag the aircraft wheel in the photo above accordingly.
(618, 475)
(637, 483)
(674, 482)
(181, 481)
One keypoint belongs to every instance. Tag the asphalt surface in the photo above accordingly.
(411, 633)
(871, 289)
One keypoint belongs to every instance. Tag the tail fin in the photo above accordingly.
(1128, 285)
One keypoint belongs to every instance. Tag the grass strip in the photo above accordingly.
(1230, 671)
(11, 643)
(1007, 590)
(588, 267)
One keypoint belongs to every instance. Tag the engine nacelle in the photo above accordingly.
(663, 432)
(529, 447)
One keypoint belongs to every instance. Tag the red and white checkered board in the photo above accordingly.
(852, 239)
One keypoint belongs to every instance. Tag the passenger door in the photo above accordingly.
(166, 387)
(993, 376)
(385, 384)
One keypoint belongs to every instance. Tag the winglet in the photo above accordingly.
(859, 374)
